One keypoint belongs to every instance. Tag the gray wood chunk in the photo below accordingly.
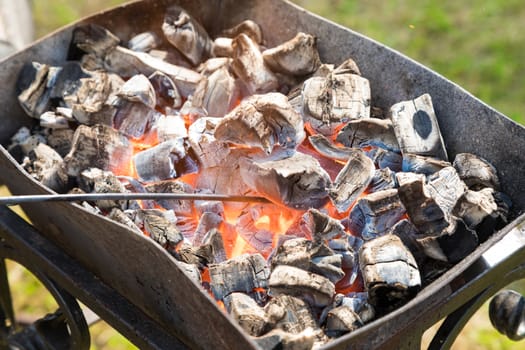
(139, 89)
(280, 340)
(243, 273)
(247, 313)
(417, 128)
(298, 181)
(94, 39)
(334, 100)
(383, 158)
(476, 172)
(144, 42)
(423, 164)
(263, 121)
(94, 180)
(370, 131)
(352, 180)
(328, 149)
(60, 140)
(217, 93)
(323, 227)
(119, 216)
(133, 119)
(289, 280)
(474, 206)
(182, 208)
(298, 56)
(446, 187)
(384, 179)
(248, 64)
(342, 320)
(46, 165)
(248, 27)
(160, 229)
(291, 314)
(210, 151)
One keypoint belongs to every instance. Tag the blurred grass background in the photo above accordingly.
(478, 44)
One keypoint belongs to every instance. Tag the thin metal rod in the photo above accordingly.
(14, 200)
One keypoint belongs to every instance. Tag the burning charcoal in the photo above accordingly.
(280, 340)
(290, 314)
(327, 149)
(390, 273)
(475, 171)
(31, 85)
(214, 240)
(203, 206)
(248, 27)
(423, 165)
(384, 179)
(342, 320)
(192, 271)
(334, 100)
(119, 216)
(94, 39)
(46, 167)
(374, 214)
(417, 129)
(298, 182)
(245, 311)
(165, 161)
(342, 247)
(322, 227)
(167, 94)
(358, 302)
(207, 222)
(244, 273)
(262, 121)
(298, 56)
(186, 34)
(383, 158)
(180, 207)
(258, 238)
(209, 151)
(60, 140)
(248, 65)
(222, 47)
(139, 89)
(216, 94)
(352, 180)
(144, 42)
(95, 180)
(160, 229)
(188, 254)
(128, 63)
(289, 280)
(133, 119)
(370, 131)
(309, 256)
(100, 147)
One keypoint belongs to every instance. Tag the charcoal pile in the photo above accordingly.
(365, 206)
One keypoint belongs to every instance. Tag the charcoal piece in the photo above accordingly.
(191, 255)
(352, 181)
(476, 172)
(291, 314)
(342, 320)
(280, 340)
(46, 167)
(247, 313)
(289, 280)
(144, 42)
(217, 94)
(186, 34)
(128, 63)
(165, 161)
(222, 47)
(245, 273)
(422, 164)
(52, 120)
(60, 140)
(474, 206)
(191, 271)
(263, 121)
(358, 302)
(309, 256)
(207, 222)
(210, 151)
(297, 56)
(417, 128)
(298, 181)
(248, 27)
(390, 273)
(119, 216)
(409, 235)
(342, 247)
(446, 187)
(248, 64)
(374, 214)
(497, 220)
(95, 180)
(332, 101)
(160, 229)
(383, 158)
(183, 208)
(369, 131)
(100, 147)
(211, 65)
(214, 240)
(258, 238)
(64, 80)
(322, 227)
(134, 119)
(327, 149)
(166, 93)
(139, 89)
(31, 87)
(94, 39)
(384, 179)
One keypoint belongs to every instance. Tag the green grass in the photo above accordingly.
(478, 44)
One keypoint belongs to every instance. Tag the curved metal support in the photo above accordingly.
(64, 329)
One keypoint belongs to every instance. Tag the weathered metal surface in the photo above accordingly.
(119, 257)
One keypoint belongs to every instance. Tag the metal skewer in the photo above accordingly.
(14, 200)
